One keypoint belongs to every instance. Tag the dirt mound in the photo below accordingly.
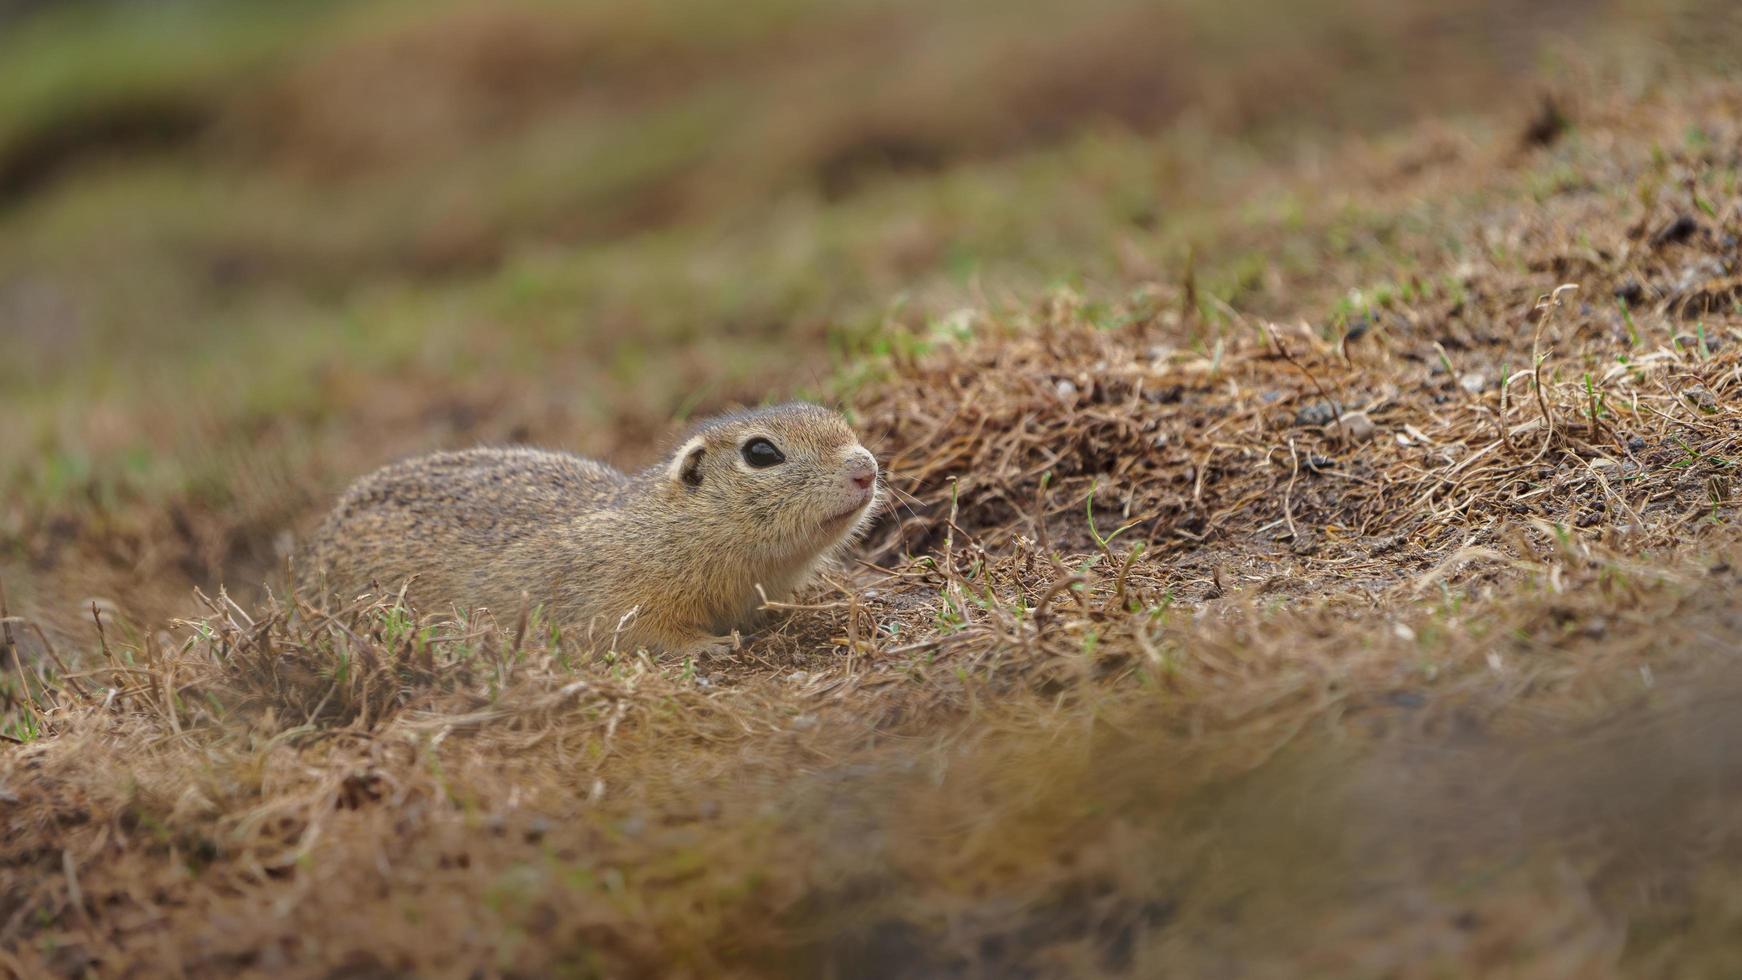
(1314, 466)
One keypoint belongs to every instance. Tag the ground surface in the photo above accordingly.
(1312, 546)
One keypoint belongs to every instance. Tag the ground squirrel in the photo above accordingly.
(669, 558)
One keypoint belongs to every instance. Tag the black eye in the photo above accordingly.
(760, 452)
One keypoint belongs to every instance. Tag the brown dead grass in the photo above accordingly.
(1341, 464)
(1454, 696)
(983, 804)
(998, 757)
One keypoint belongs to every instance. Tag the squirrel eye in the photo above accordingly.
(759, 452)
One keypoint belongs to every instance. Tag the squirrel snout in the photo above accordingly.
(861, 470)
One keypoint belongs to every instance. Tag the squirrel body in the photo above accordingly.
(673, 557)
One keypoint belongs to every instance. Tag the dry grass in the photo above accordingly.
(1338, 466)
(1385, 635)
(1151, 608)
(1089, 791)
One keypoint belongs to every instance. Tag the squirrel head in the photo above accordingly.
(793, 480)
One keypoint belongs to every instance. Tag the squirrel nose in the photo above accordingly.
(861, 470)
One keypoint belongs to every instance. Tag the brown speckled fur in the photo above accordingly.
(684, 552)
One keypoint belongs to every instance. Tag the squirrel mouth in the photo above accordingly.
(853, 511)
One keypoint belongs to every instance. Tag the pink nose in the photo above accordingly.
(862, 471)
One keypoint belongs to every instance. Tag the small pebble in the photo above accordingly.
(1701, 399)
(1317, 413)
(1357, 427)
(1473, 383)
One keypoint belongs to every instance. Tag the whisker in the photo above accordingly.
(895, 497)
(897, 491)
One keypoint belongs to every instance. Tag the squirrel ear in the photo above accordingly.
(686, 463)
